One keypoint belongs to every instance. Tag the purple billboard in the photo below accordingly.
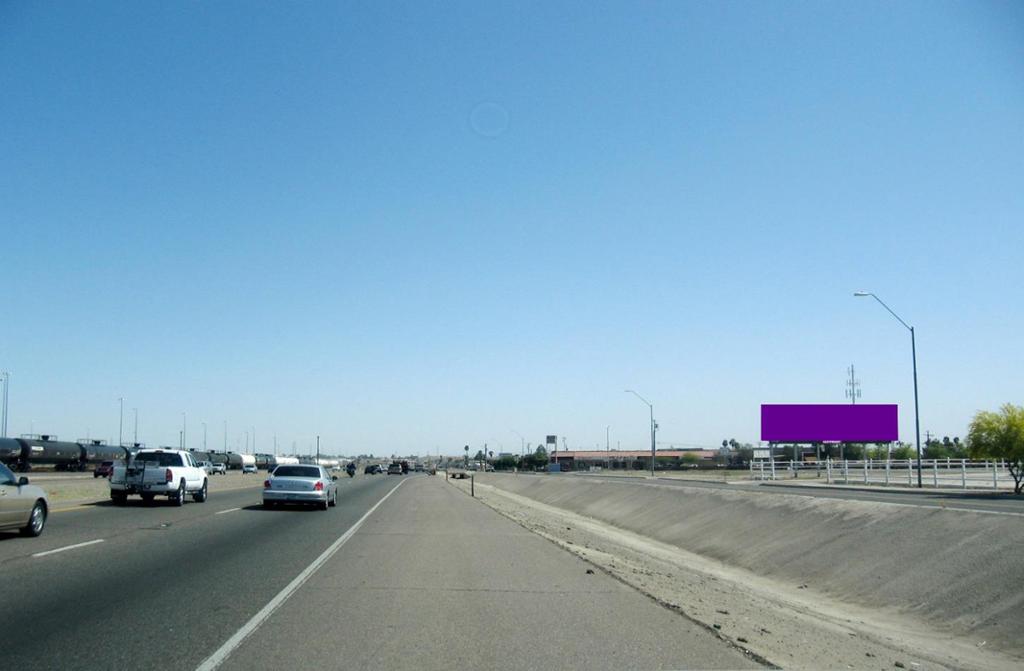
(846, 423)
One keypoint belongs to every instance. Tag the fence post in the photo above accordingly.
(472, 489)
(910, 472)
(828, 471)
(995, 477)
(963, 473)
(887, 471)
(935, 473)
(846, 471)
(865, 472)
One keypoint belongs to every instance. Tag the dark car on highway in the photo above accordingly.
(104, 470)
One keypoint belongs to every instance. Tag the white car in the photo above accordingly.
(248, 468)
(302, 484)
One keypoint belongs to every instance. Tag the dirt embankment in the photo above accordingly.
(944, 588)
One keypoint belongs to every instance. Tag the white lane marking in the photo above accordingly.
(68, 547)
(229, 510)
(222, 653)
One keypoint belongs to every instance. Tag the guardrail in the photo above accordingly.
(957, 473)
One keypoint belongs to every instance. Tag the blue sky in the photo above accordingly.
(409, 227)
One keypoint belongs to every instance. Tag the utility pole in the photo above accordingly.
(184, 431)
(3, 423)
(607, 442)
(135, 433)
(318, 450)
(852, 386)
(120, 420)
(204, 436)
(225, 436)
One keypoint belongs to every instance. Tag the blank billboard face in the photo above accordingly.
(810, 423)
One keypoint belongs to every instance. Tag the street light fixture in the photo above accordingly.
(913, 354)
(653, 425)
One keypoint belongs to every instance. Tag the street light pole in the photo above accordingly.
(913, 354)
(135, 434)
(607, 435)
(651, 406)
(204, 436)
(3, 424)
(522, 443)
(120, 420)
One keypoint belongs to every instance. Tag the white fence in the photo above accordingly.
(960, 473)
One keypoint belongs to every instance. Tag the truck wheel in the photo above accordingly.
(179, 498)
(36, 521)
(147, 499)
(200, 496)
(119, 498)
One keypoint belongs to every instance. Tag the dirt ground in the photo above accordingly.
(69, 489)
(784, 624)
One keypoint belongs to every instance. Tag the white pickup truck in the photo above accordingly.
(171, 473)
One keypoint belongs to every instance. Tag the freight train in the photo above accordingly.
(22, 454)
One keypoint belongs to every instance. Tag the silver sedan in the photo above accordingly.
(22, 506)
(300, 484)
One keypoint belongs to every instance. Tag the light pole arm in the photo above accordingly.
(882, 303)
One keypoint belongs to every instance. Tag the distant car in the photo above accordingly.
(22, 506)
(395, 469)
(206, 466)
(248, 468)
(302, 484)
(370, 470)
(219, 468)
(104, 470)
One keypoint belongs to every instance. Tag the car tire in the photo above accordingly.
(334, 501)
(325, 505)
(202, 494)
(36, 520)
(95, 474)
(179, 498)
(119, 498)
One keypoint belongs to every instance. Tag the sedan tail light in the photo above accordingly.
(266, 484)
(319, 486)
(168, 476)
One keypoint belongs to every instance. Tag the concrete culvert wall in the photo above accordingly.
(959, 571)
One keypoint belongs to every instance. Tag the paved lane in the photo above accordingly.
(167, 586)
(435, 580)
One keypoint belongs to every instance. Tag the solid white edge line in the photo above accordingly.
(68, 547)
(229, 510)
(222, 653)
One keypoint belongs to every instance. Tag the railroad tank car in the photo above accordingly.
(47, 449)
(96, 451)
(219, 457)
(12, 453)
(201, 455)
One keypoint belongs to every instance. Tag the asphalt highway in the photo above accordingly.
(975, 501)
(406, 573)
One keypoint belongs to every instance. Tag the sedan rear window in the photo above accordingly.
(296, 472)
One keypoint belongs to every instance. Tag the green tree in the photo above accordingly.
(1000, 435)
